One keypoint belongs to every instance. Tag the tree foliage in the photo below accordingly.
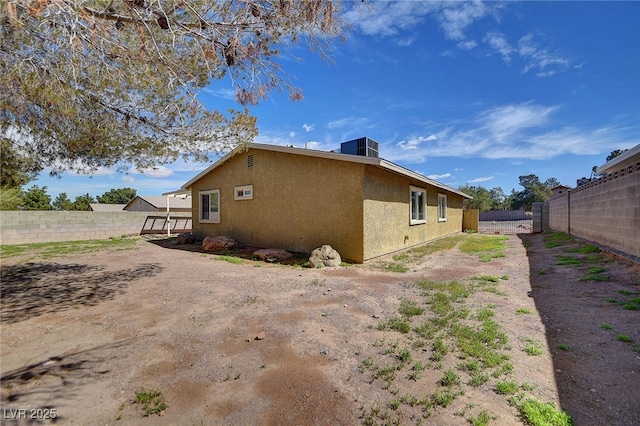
(62, 202)
(484, 199)
(82, 202)
(91, 83)
(36, 198)
(10, 198)
(16, 170)
(534, 191)
(117, 196)
(615, 153)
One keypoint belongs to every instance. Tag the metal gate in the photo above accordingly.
(506, 222)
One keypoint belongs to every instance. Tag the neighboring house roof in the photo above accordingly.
(377, 162)
(626, 159)
(560, 187)
(160, 202)
(98, 207)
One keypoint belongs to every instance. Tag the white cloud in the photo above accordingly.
(308, 127)
(229, 93)
(414, 143)
(154, 172)
(457, 16)
(467, 45)
(516, 131)
(388, 18)
(352, 122)
(292, 134)
(480, 179)
(128, 179)
(546, 62)
(500, 44)
(442, 176)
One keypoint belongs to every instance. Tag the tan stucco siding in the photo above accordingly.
(299, 203)
(387, 216)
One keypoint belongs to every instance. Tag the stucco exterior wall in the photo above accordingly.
(387, 216)
(299, 203)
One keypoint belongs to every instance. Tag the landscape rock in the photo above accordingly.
(271, 255)
(325, 256)
(186, 238)
(218, 243)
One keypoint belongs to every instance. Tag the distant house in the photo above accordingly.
(97, 207)
(299, 199)
(559, 189)
(158, 204)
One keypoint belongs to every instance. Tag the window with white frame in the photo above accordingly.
(418, 205)
(210, 206)
(244, 192)
(442, 207)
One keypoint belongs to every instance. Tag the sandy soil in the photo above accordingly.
(81, 335)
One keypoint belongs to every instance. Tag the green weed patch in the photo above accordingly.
(66, 248)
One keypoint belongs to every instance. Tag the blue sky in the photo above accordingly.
(472, 93)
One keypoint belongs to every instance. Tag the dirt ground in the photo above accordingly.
(81, 335)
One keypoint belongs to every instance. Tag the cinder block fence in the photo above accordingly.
(23, 227)
(605, 211)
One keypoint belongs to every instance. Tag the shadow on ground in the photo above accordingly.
(33, 289)
(596, 374)
(48, 384)
(242, 252)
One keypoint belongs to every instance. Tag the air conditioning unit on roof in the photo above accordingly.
(365, 147)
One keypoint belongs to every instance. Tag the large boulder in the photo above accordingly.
(325, 256)
(186, 238)
(218, 243)
(272, 255)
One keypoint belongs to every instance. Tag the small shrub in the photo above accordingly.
(478, 378)
(399, 324)
(523, 311)
(567, 260)
(410, 308)
(443, 398)
(563, 347)
(537, 413)
(532, 347)
(450, 378)
(624, 338)
(152, 402)
(606, 326)
(482, 419)
(506, 387)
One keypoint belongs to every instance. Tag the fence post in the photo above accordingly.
(569, 212)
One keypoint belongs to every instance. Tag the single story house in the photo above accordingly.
(158, 204)
(559, 189)
(299, 199)
(99, 207)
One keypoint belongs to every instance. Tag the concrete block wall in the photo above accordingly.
(606, 211)
(24, 227)
(559, 212)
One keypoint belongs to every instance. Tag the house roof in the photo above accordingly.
(99, 207)
(626, 159)
(377, 162)
(160, 202)
(560, 187)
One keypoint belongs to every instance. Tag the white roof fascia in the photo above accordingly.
(613, 165)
